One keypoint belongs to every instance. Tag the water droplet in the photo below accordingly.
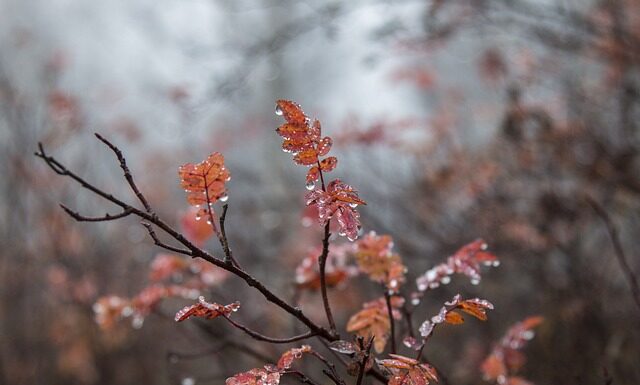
(475, 281)
(415, 301)
(353, 205)
(224, 198)
(137, 322)
(188, 381)
(198, 217)
(445, 280)
(496, 263)
(278, 110)
(310, 185)
(208, 222)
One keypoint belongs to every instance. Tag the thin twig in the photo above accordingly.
(222, 236)
(322, 265)
(387, 297)
(365, 360)
(127, 172)
(261, 337)
(619, 251)
(107, 217)
(331, 372)
(159, 243)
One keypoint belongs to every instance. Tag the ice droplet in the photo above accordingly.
(198, 217)
(224, 198)
(353, 205)
(278, 110)
(310, 185)
(137, 322)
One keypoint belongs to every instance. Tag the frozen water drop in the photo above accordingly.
(310, 185)
(224, 198)
(137, 322)
(353, 205)
(279, 111)
(198, 217)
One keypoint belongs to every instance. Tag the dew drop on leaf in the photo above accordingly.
(188, 381)
(278, 110)
(475, 281)
(224, 198)
(310, 185)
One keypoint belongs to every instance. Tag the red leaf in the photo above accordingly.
(467, 260)
(328, 164)
(204, 182)
(206, 310)
(291, 112)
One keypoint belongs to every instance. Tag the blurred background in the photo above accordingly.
(454, 119)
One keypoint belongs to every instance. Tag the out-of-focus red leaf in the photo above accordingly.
(373, 320)
(375, 258)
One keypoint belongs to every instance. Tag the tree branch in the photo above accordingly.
(365, 359)
(195, 251)
(222, 237)
(260, 337)
(619, 251)
(387, 298)
(107, 217)
(322, 265)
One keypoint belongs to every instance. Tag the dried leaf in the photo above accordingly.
(373, 320)
(204, 309)
(467, 260)
(476, 307)
(328, 164)
(204, 182)
(340, 200)
(375, 258)
(288, 357)
(408, 371)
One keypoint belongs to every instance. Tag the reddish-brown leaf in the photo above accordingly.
(373, 320)
(408, 371)
(204, 182)
(204, 309)
(328, 164)
(467, 260)
(291, 112)
(339, 201)
(291, 355)
(375, 258)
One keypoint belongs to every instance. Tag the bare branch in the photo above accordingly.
(159, 243)
(127, 173)
(107, 217)
(224, 242)
(365, 359)
(617, 246)
(387, 297)
(260, 337)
